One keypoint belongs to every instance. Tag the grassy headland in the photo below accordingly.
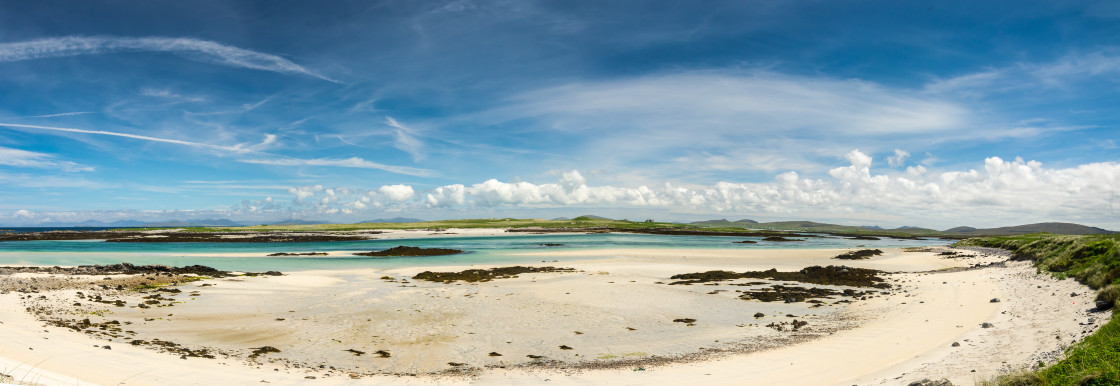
(1090, 259)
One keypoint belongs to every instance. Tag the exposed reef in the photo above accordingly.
(402, 250)
(862, 254)
(481, 275)
(830, 275)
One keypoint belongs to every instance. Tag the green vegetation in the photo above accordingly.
(1093, 260)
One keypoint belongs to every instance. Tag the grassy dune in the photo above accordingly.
(1090, 259)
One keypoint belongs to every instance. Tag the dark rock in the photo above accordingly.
(987, 325)
(779, 238)
(994, 300)
(860, 254)
(956, 344)
(298, 254)
(759, 314)
(930, 382)
(482, 275)
(745, 242)
(1103, 304)
(830, 275)
(685, 320)
(495, 354)
(263, 350)
(402, 250)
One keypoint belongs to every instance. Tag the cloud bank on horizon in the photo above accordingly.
(451, 109)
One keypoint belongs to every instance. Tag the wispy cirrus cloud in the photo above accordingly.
(127, 135)
(352, 162)
(30, 159)
(53, 115)
(202, 50)
(406, 139)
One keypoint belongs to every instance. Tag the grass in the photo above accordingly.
(1093, 260)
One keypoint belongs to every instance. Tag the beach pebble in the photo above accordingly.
(987, 325)
(956, 344)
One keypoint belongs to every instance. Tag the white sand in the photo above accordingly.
(428, 325)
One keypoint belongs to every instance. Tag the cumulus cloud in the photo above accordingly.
(1001, 192)
(30, 159)
(998, 192)
(396, 192)
(898, 158)
(201, 50)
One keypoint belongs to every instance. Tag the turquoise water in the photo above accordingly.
(480, 250)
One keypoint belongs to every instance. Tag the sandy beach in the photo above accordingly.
(615, 319)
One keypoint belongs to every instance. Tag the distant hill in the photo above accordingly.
(193, 223)
(592, 217)
(299, 222)
(1060, 228)
(561, 219)
(724, 222)
(393, 220)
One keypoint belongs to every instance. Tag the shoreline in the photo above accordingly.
(923, 297)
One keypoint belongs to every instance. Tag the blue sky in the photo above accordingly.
(934, 114)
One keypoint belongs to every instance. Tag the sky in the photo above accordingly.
(918, 113)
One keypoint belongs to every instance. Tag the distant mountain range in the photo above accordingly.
(724, 222)
(1061, 228)
(1050, 227)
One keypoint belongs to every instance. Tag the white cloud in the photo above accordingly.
(1000, 193)
(196, 49)
(899, 158)
(29, 159)
(446, 196)
(352, 162)
(54, 115)
(406, 140)
(127, 135)
(719, 121)
(305, 192)
(397, 192)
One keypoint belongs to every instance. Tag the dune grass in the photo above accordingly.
(1093, 260)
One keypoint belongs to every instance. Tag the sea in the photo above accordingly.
(510, 249)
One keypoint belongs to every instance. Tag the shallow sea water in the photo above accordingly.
(480, 250)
